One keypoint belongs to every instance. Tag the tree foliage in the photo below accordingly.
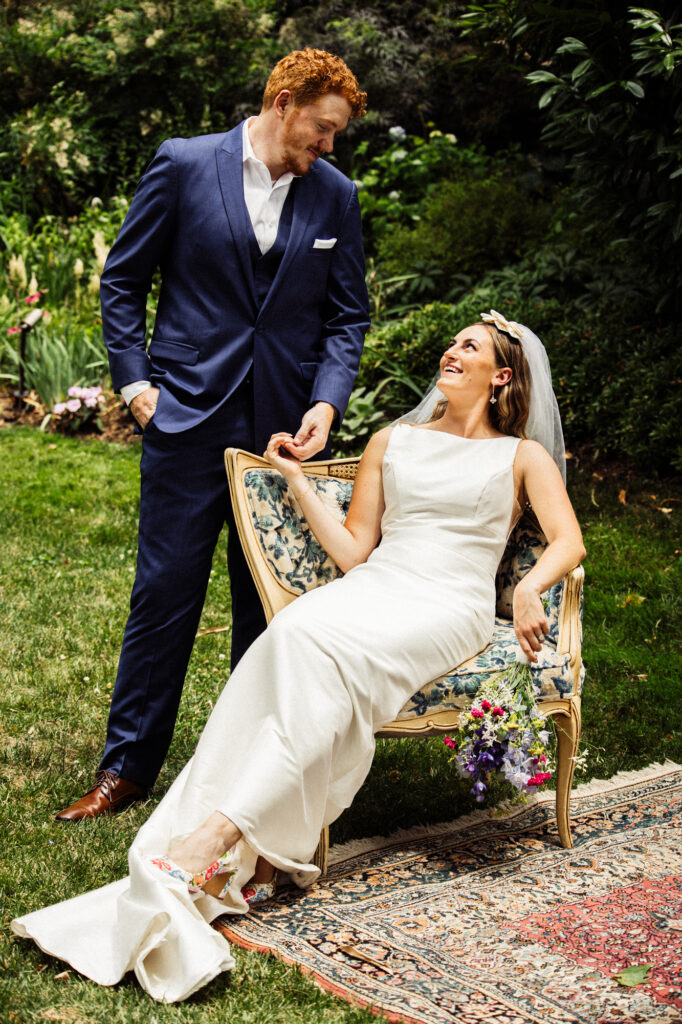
(89, 88)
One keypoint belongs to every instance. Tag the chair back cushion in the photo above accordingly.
(293, 555)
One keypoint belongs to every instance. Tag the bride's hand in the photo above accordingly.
(530, 622)
(280, 456)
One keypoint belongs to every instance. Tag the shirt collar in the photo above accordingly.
(248, 156)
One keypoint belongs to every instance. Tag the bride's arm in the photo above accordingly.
(539, 478)
(351, 542)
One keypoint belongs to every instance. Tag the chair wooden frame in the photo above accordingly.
(275, 596)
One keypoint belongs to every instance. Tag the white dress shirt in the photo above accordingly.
(265, 199)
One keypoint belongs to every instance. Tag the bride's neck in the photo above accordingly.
(473, 422)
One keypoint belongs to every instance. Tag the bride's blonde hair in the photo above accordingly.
(509, 414)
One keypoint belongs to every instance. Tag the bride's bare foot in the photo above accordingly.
(196, 851)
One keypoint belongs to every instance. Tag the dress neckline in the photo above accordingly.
(446, 433)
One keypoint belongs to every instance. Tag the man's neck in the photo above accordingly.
(263, 135)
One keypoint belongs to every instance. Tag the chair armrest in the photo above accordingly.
(570, 622)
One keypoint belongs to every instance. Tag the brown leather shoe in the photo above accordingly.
(109, 795)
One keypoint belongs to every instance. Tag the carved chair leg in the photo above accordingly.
(568, 737)
(322, 851)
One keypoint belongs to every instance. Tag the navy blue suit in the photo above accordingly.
(242, 346)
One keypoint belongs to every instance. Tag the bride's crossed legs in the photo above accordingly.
(208, 842)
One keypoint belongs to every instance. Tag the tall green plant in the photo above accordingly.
(55, 360)
(613, 107)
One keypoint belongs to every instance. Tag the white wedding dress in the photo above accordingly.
(291, 738)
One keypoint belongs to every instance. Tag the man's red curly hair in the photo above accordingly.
(309, 74)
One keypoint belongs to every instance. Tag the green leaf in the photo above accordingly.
(635, 88)
(631, 976)
(599, 91)
(547, 96)
(536, 77)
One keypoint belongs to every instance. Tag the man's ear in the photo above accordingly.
(283, 101)
(503, 376)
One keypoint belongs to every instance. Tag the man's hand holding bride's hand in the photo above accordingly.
(312, 435)
(530, 621)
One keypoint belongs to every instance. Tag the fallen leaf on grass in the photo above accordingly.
(64, 976)
(633, 599)
(631, 976)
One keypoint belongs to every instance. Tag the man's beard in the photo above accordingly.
(294, 152)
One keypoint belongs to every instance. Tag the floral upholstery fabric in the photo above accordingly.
(299, 563)
(293, 554)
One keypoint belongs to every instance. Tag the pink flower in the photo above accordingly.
(13, 330)
(498, 712)
(449, 742)
(73, 405)
(59, 408)
(475, 713)
(33, 298)
(486, 705)
(46, 315)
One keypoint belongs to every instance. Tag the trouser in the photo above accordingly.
(184, 503)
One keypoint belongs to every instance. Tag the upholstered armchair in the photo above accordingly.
(286, 560)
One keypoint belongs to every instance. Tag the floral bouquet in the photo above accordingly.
(503, 733)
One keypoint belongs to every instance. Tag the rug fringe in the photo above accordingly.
(624, 778)
(357, 847)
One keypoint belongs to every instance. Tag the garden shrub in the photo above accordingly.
(617, 383)
(465, 229)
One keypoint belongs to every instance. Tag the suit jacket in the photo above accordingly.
(189, 219)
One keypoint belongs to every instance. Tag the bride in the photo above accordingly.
(291, 737)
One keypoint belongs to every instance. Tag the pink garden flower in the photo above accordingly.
(486, 705)
(475, 713)
(449, 743)
(33, 298)
(73, 405)
(59, 408)
(13, 330)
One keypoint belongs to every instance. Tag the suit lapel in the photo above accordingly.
(231, 178)
(305, 196)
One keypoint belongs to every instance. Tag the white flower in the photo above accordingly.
(509, 327)
(101, 249)
(399, 155)
(397, 134)
(394, 196)
(17, 272)
(78, 268)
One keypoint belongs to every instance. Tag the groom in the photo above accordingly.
(260, 325)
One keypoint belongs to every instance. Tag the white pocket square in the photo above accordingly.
(324, 243)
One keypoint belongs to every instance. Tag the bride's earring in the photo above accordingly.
(493, 400)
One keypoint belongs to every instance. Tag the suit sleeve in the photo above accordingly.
(346, 314)
(134, 257)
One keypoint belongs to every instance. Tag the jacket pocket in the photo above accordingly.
(308, 370)
(177, 351)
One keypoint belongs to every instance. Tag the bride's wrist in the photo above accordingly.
(300, 487)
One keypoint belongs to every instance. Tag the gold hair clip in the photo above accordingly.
(508, 326)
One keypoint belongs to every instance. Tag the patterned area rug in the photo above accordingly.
(489, 919)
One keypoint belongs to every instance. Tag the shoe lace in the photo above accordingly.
(106, 781)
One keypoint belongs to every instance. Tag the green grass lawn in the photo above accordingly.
(68, 509)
